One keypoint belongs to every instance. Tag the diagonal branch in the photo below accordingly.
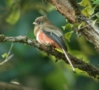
(91, 70)
(69, 9)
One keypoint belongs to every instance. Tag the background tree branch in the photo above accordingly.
(69, 9)
(78, 63)
(10, 86)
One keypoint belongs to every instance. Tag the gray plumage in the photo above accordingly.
(43, 24)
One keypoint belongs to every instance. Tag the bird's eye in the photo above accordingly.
(39, 22)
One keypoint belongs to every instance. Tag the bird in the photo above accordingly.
(47, 33)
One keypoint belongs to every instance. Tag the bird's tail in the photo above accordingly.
(67, 57)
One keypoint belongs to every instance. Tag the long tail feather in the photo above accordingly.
(67, 57)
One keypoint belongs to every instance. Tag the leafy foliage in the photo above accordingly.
(96, 2)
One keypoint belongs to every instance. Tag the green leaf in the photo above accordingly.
(88, 8)
(97, 15)
(69, 26)
(96, 2)
(68, 35)
(81, 24)
(5, 55)
(88, 11)
(85, 3)
(93, 22)
(63, 27)
(91, 10)
(76, 25)
(14, 16)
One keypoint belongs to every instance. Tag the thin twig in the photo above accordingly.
(7, 59)
(93, 15)
(10, 49)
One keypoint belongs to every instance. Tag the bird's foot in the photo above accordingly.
(49, 46)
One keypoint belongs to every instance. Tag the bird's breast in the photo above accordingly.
(44, 39)
(36, 29)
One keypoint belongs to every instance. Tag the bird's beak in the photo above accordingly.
(34, 23)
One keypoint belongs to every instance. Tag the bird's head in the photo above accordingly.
(41, 21)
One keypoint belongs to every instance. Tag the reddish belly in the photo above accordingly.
(43, 39)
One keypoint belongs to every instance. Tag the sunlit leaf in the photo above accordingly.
(5, 55)
(88, 8)
(68, 35)
(59, 50)
(91, 10)
(88, 11)
(81, 24)
(97, 14)
(69, 26)
(85, 3)
(63, 27)
(14, 16)
(76, 25)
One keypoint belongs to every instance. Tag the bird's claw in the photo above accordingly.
(49, 46)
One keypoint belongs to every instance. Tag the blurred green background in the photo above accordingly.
(33, 68)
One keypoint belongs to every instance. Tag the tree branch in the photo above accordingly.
(70, 10)
(91, 70)
(10, 86)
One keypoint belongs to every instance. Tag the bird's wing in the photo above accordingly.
(56, 38)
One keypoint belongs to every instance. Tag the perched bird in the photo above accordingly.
(47, 33)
